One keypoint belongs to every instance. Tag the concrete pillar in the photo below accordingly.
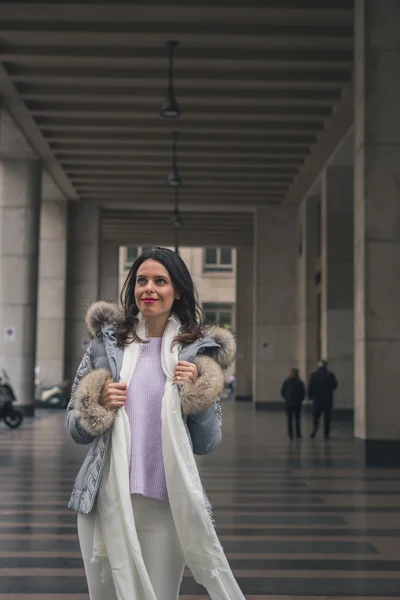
(275, 318)
(109, 271)
(306, 288)
(337, 269)
(20, 195)
(52, 286)
(377, 230)
(244, 322)
(82, 278)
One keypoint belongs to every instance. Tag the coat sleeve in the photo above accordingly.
(205, 429)
(303, 392)
(72, 421)
(283, 390)
(86, 417)
(334, 382)
(201, 405)
(310, 388)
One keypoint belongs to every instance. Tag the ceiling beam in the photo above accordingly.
(244, 216)
(34, 137)
(198, 158)
(195, 113)
(82, 58)
(191, 184)
(187, 54)
(176, 12)
(64, 137)
(195, 198)
(199, 96)
(132, 100)
(204, 204)
(213, 72)
(334, 131)
(302, 129)
(198, 34)
(116, 164)
(94, 176)
(264, 166)
(114, 181)
(193, 81)
(161, 191)
(163, 204)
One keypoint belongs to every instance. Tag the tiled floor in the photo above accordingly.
(297, 520)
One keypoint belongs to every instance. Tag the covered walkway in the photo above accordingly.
(288, 150)
(297, 520)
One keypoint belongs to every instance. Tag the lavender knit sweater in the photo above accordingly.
(143, 407)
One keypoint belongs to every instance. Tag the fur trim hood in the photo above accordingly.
(225, 354)
(103, 313)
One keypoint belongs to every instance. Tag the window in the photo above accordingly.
(217, 259)
(132, 253)
(218, 314)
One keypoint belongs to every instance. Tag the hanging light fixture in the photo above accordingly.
(171, 109)
(174, 178)
(177, 220)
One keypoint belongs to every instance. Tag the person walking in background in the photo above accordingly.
(321, 386)
(293, 392)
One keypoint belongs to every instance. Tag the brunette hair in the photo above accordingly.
(187, 307)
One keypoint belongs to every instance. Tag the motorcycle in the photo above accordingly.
(52, 396)
(12, 417)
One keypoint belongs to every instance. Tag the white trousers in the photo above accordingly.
(161, 550)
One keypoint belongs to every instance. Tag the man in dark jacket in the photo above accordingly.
(321, 386)
(293, 392)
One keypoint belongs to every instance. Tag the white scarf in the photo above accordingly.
(115, 539)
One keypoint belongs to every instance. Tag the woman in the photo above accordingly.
(293, 392)
(142, 512)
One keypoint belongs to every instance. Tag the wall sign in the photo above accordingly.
(10, 334)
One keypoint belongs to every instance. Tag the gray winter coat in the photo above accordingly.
(89, 423)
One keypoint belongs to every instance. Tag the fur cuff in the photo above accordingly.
(199, 395)
(93, 418)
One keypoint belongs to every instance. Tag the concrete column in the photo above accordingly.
(377, 230)
(337, 268)
(82, 278)
(109, 271)
(306, 288)
(275, 318)
(244, 322)
(20, 195)
(52, 283)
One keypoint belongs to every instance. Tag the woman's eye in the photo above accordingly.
(160, 281)
(141, 280)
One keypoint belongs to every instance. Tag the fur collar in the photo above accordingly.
(103, 313)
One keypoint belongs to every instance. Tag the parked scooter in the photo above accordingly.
(52, 396)
(12, 416)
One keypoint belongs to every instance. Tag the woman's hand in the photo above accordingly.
(114, 395)
(185, 371)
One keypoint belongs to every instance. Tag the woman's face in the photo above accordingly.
(154, 290)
